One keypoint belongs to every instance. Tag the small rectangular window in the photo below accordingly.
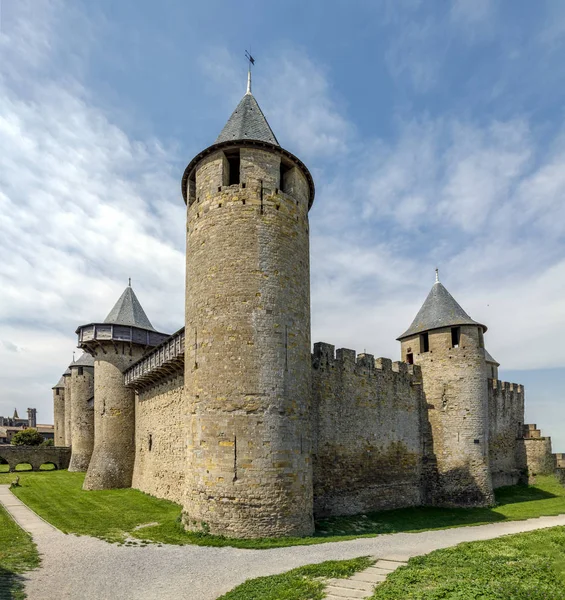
(283, 185)
(80, 370)
(424, 342)
(455, 335)
(57, 392)
(410, 358)
(481, 338)
(234, 166)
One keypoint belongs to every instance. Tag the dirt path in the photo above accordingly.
(85, 568)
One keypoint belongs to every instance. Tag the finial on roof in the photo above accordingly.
(251, 62)
(129, 281)
(437, 275)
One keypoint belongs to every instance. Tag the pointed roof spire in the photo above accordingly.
(16, 416)
(128, 311)
(440, 309)
(247, 122)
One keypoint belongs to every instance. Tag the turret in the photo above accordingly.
(123, 338)
(448, 345)
(491, 365)
(59, 411)
(247, 359)
(67, 395)
(82, 412)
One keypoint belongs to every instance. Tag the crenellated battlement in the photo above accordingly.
(325, 356)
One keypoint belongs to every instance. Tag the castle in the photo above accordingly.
(237, 420)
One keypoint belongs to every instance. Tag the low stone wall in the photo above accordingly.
(560, 474)
(540, 460)
(35, 456)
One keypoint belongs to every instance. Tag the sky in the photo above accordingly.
(434, 132)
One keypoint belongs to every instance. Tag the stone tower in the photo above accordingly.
(67, 395)
(59, 411)
(123, 338)
(448, 345)
(247, 358)
(32, 417)
(82, 412)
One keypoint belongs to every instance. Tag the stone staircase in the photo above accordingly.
(363, 583)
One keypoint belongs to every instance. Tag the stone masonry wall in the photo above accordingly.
(35, 456)
(161, 440)
(455, 385)
(82, 417)
(59, 415)
(507, 454)
(540, 459)
(247, 361)
(68, 409)
(368, 433)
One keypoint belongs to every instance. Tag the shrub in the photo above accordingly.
(27, 437)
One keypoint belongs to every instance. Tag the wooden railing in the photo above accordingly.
(165, 360)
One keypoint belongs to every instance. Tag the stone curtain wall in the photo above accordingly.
(540, 460)
(15, 455)
(368, 433)
(507, 452)
(161, 440)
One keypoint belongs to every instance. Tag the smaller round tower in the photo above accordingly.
(82, 412)
(124, 337)
(67, 396)
(448, 346)
(59, 411)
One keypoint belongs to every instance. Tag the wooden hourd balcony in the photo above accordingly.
(164, 361)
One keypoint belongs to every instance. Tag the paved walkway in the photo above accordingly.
(85, 568)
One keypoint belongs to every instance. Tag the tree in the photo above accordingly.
(47, 442)
(27, 437)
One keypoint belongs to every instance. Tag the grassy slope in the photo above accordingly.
(17, 555)
(58, 497)
(516, 567)
(299, 584)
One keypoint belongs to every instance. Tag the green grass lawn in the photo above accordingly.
(515, 567)
(17, 555)
(304, 583)
(114, 514)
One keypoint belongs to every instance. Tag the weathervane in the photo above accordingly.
(251, 62)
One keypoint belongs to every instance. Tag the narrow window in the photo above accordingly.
(455, 335)
(424, 342)
(150, 442)
(410, 358)
(481, 338)
(234, 164)
(57, 392)
(80, 370)
(283, 185)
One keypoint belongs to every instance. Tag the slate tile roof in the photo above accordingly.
(440, 309)
(247, 122)
(128, 311)
(85, 360)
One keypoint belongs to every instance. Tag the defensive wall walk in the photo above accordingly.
(83, 567)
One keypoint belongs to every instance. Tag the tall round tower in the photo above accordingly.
(247, 359)
(123, 338)
(59, 411)
(82, 412)
(68, 408)
(448, 345)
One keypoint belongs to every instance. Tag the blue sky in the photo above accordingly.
(434, 131)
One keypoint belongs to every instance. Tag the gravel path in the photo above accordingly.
(85, 568)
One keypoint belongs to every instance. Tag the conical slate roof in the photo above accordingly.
(490, 359)
(247, 122)
(440, 309)
(16, 416)
(84, 360)
(128, 311)
(59, 384)
(67, 372)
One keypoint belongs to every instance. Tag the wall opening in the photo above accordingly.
(455, 336)
(234, 164)
(57, 392)
(410, 358)
(150, 442)
(424, 342)
(283, 180)
(481, 338)
(48, 466)
(80, 370)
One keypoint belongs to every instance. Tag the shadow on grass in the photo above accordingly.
(11, 585)
(521, 493)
